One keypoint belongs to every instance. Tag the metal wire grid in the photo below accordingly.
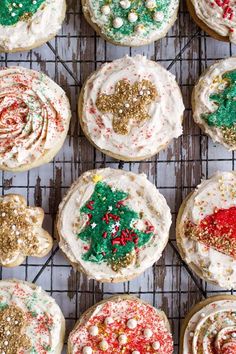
(68, 59)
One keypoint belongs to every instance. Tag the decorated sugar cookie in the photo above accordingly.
(210, 327)
(113, 224)
(34, 118)
(131, 22)
(121, 324)
(26, 24)
(216, 17)
(30, 320)
(206, 230)
(214, 103)
(131, 108)
(21, 232)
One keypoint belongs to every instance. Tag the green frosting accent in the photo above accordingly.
(106, 211)
(225, 115)
(145, 16)
(21, 10)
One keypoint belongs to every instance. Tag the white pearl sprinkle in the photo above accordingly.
(34, 2)
(14, 4)
(120, 111)
(20, 5)
(135, 99)
(3, 214)
(191, 334)
(158, 16)
(13, 14)
(156, 345)
(139, 29)
(8, 333)
(233, 335)
(132, 323)
(93, 330)
(87, 350)
(203, 315)
(150, 4)
(122, 339)
(103, 345)
(224, 337)
(106, 10)
(117, 22)
(8, 319)
(108, 321)
(6, 343)
(147, 333)
(127, 105)
(17, 232)
(135, 352)
(141, 92)
(132, 17)
(125, 4)
(16, 322)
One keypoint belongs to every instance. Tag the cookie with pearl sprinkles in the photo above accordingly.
(112, 225)
(34, 119)
(214, 102)
(21, 232)
(131, 109)
(216, 17)
(30, 319)
(131, 22)
(206, 230)
(210, 327)
(121, 324)
(27, 24)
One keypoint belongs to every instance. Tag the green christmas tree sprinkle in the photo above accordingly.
(109, 231)
(225, 114)
(12, 11)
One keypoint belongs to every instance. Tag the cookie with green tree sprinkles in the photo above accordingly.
(12, 11)
(113, 224)
(214, 102)
(131, 22)
(110, 229)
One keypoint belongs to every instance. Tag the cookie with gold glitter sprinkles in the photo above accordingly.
(131, 22)
(27, 24)
(112, 224)
(210, 327)
(206, 230)
(121, 324)
(30, 319)
(21, 232)
(34, 119)
(131, 109)
(214, 102)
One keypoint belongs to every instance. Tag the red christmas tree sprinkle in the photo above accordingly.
(217, 230)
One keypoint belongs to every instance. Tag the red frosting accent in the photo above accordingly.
(229, 348)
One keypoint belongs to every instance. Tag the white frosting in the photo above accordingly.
(44, 24)
(213, 331)
(35, 303)
(213, 16)
(206, 86)
(217, 192)
(39, 122)
(151, 33)
(150, 202)
(145, 138)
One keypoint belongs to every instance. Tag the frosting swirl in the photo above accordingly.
(212, 330)
(34, 117)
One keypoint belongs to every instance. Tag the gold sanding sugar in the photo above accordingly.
(16, 230)
(229, 135)
(12, 327)
(129, 102)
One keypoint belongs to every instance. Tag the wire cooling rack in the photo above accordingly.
(69, 59)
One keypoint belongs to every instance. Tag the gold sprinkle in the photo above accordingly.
(97, 178)
(12, 328)
(123, 262)
(229, 135)
(128, 103)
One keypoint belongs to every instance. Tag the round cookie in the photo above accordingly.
(210, 327)
(131, 23)
(34, 119)
(214, 104)
(21, 232)
(30, 319)
(217, 18)
(131, 109)
(27, 24)
(121, 324)
(206, 230)
(112, 224)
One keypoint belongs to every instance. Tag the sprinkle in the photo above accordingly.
(106, 10)
(97, 178)
(147, 333)
(87, 350)
(117, 22)
(122, 339)
(108, 321)
(93, 331)
(103, 345)
(132, 323)
(156, 345)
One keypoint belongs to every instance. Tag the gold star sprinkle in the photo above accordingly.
(12, 328)
(128, 103)
(97, 178)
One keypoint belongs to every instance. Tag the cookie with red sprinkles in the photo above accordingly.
(121, 324)
(206, 230)
(216, 17)
(113, 225)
